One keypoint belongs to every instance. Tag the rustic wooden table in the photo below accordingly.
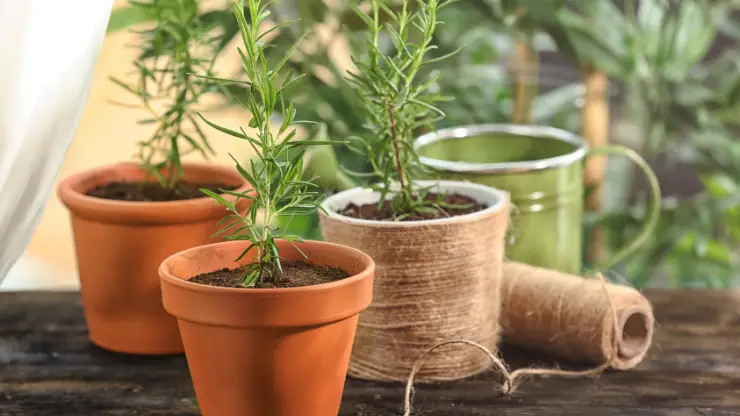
(48, 367)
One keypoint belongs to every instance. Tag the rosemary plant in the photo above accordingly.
(398, 101)
(174, 52)
(276, 173)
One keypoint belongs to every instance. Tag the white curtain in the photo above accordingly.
(48, 52)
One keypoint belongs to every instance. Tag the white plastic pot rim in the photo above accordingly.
(494, 199)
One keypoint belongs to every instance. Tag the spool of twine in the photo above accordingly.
(586, 320)
(569, 317)
(434, 281)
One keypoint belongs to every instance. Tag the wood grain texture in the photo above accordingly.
(48, 367)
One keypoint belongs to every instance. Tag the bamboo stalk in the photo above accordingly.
(596, 132)
(526, 70)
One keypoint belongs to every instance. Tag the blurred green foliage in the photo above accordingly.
(678, 102)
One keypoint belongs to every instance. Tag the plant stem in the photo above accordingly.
(265, 258)
(397, 154)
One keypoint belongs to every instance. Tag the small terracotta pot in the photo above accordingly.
(260, 352)
(121, 244)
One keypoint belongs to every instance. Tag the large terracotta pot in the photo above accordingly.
(121, 244)
(260, 352)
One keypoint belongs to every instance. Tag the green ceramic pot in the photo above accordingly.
(542, 168)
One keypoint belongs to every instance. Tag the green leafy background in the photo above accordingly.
(675, 98)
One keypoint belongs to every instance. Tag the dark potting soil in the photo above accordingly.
(455, 205)
(154, 192)
(295, 274)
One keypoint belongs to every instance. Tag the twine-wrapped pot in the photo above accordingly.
(436, 280)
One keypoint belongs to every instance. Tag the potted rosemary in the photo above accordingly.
(128, 217)
(438, 245)
(267, 319)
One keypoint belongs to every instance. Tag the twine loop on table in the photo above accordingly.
(512, 379)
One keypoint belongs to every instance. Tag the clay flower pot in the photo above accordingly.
(120, 245)
(260, 352)
(437, 280)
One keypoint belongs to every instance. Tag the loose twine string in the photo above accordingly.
(434, 281)
(512, 379)
(554, 312)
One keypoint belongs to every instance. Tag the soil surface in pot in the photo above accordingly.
(295, 274)
(452, 205)
(154, 192)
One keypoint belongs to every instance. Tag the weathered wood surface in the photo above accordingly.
(48, 368)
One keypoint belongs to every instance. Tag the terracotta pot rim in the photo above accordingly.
(469, 189)
(167, 277)
(164, 212)
(294, 307)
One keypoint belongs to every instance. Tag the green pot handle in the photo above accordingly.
(653, 214)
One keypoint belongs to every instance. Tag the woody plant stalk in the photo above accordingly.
(416, 229)
(231, 333)
(128, 217)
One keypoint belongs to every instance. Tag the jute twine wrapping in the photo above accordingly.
(569, 316)
(434, 281)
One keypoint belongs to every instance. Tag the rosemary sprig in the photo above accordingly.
(276, 173)
(397, 101)
(174, 52)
